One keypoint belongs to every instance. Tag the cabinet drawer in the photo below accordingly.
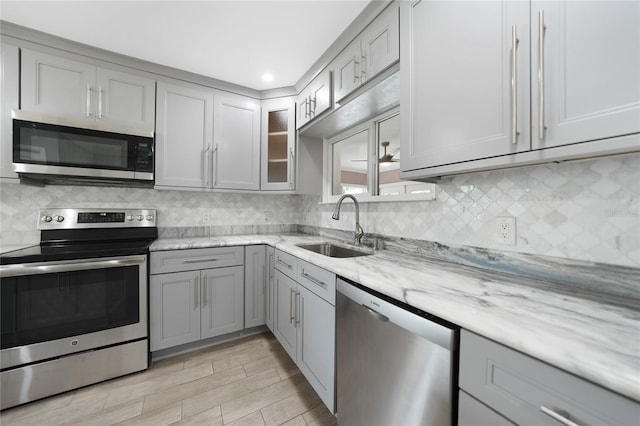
(317, 280)
(522, 388)
(286, 263)
(192, 259)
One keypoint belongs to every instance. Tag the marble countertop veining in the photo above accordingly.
(595, 338)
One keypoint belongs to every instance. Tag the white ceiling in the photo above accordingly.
(234, 41)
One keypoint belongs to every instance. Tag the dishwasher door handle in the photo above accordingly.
(375, 314)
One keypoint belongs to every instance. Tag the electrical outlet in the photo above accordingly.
(506, 230)
(266, 216)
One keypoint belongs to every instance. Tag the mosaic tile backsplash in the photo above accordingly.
(584, 210)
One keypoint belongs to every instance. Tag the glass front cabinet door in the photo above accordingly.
(278, 145)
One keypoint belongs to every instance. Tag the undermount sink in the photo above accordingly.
(333, 250)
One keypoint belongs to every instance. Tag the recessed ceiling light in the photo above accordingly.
(267, 77)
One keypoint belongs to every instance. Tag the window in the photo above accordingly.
(365, 161)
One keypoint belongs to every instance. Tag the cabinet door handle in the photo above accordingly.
(270, 266)
(291, 317)
(297, 303)
(562, 419)
(292, 168)
(313, 280)
(306, 106)
(88, 106)
(205, 166)
(541, 31)
(312, 105)
(196, 291)
(355, 69)
(514, 84)
(205, 284)
(214, 164)
(99, 101)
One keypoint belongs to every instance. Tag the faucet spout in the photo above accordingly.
(359, 232)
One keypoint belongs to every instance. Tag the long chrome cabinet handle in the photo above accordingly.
(88, 106)
(292, 168)
(66, 266)
(205, 284)
(99, 101)
(307, 106)
(541, 30)
(270, 266)
(291, 316)
(196, 292)
(280, 261)
(214, 164)
(313, 280)
(562, 419)
(356, 71)
(514, 84)
(205, 166)
(297, 303)
(200, 260)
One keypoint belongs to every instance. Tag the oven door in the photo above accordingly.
(52, 309)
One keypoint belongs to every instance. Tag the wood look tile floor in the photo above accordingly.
(250, 381)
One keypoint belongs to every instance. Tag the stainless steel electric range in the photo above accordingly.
(74, 307)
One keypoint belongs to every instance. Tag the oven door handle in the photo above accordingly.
(68, 266)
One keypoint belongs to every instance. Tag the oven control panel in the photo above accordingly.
(95, 218)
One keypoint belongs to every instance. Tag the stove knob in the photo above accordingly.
(46, 218)
(149, 217)
(139, 217)
(129, 218)
(59, 219)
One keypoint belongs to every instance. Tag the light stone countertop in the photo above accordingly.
(596, 338)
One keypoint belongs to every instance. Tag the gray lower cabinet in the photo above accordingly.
(269, 308)
(195, 294)
(509, 387)
(255, 285)
(304, 320)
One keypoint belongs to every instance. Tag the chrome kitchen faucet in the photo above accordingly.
(359, 233)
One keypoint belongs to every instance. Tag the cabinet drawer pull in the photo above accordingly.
(514, 84)
(313, 280)
(562, 419)
(280, 261)
(201, 259)
(541, 30)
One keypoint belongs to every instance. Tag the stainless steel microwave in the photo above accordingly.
(54, 150)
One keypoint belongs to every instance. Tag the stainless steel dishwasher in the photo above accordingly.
(395, 367)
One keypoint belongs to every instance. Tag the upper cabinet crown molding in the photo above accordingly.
(500, 99)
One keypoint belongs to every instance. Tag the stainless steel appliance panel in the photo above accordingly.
(393, 366)
(40, 380)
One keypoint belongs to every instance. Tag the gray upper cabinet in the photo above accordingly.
(588, 82)
(72, 89)
(497, 84)
(278, 164)
(315, 99)
(236, 143)
(9, 100)
(184, 136)
(457, 97)
(375, 49)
